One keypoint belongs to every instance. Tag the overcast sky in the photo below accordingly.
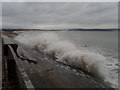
(59, 15)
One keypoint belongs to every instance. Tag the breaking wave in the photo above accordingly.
(67, 53)
(88, 61)
(60, 48)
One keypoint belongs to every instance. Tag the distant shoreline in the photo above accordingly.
(59, 29)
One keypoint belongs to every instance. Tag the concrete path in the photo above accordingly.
(0, 64)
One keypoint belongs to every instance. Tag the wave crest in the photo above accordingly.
(87, 61)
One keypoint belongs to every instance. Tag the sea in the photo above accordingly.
(95, 52)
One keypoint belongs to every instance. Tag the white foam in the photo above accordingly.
(88, 61)
(37, 41)
(59, 48)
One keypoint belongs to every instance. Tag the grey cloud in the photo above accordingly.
(92, 14)
(0, 10)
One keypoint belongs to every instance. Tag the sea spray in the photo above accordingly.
(88, 61)
(65, 52)
(44, 40)
(39, 41)
(51, 44)
(59, 48)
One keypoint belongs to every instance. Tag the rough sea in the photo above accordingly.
(95, 52)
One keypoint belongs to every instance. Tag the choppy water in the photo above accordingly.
(93, 51)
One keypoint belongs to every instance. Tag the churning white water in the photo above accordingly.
(64, 51)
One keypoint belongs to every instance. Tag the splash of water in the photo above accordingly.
(66, 52)
(88, 61)
(59, 48)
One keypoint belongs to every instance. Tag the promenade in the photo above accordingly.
(0, 63)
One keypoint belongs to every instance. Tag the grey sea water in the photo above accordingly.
(104, 40)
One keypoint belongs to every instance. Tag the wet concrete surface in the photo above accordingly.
(0, 64)
(48, 73)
